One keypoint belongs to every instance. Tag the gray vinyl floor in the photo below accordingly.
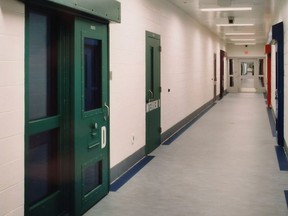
(223, 165)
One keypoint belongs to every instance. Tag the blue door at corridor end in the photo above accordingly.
(278, 37)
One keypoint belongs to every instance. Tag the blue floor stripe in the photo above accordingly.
(282, 159)
(116, 185)
(286, 197)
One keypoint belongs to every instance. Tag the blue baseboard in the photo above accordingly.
(116, 185)
(286, 197)
(282, 159)
(272, 122)
(171, 134)
(126, 164)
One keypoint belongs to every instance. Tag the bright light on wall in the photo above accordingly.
(244, 43)
(227, 9)
(238, 34)
(235, 24)
(239, 39)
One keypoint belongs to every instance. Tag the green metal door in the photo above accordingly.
(153, 90)
(91, 114)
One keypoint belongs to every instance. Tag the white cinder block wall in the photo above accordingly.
(11, 108)
(187, 70)
(281, 15)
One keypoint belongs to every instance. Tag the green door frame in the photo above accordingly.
(60, 122)
(60, 203)
(153, 92)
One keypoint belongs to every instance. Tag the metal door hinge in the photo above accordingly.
(160, 130)
(160, 89)
(160, 49)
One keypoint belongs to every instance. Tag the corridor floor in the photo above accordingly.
(223, 165)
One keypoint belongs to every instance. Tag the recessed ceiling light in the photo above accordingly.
(239, 39)
(238, 34)
(244, 43)
(227, 9)
(234, 24)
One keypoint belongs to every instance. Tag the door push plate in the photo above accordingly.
(103, 137)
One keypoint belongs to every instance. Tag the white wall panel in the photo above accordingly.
(11, 107)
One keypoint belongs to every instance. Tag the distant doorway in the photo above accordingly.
(247, 81)
(215, 78)
(246, 75)
(222, 60)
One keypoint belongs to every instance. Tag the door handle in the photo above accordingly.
(152, 95)
(103, 137)
(108, 109)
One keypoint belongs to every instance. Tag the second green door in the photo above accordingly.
(153, 91)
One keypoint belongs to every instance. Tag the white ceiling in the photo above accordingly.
(260, 16)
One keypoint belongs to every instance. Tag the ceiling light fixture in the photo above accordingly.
(244, 43)
(227, 9)
(239, 39)
(235, 24)
(238, 34)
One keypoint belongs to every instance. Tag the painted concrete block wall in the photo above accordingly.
(11, 108)
(281, 15)
(187, 70)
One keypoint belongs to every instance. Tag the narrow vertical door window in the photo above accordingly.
(92, 73)
(261, 73)
(42, 68)
(152, 72)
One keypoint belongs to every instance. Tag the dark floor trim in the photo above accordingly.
(116, 185)
(272, 122)
(123, 166)
(174, 132)
(286, 197)
(285, 147)
(281, 157)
